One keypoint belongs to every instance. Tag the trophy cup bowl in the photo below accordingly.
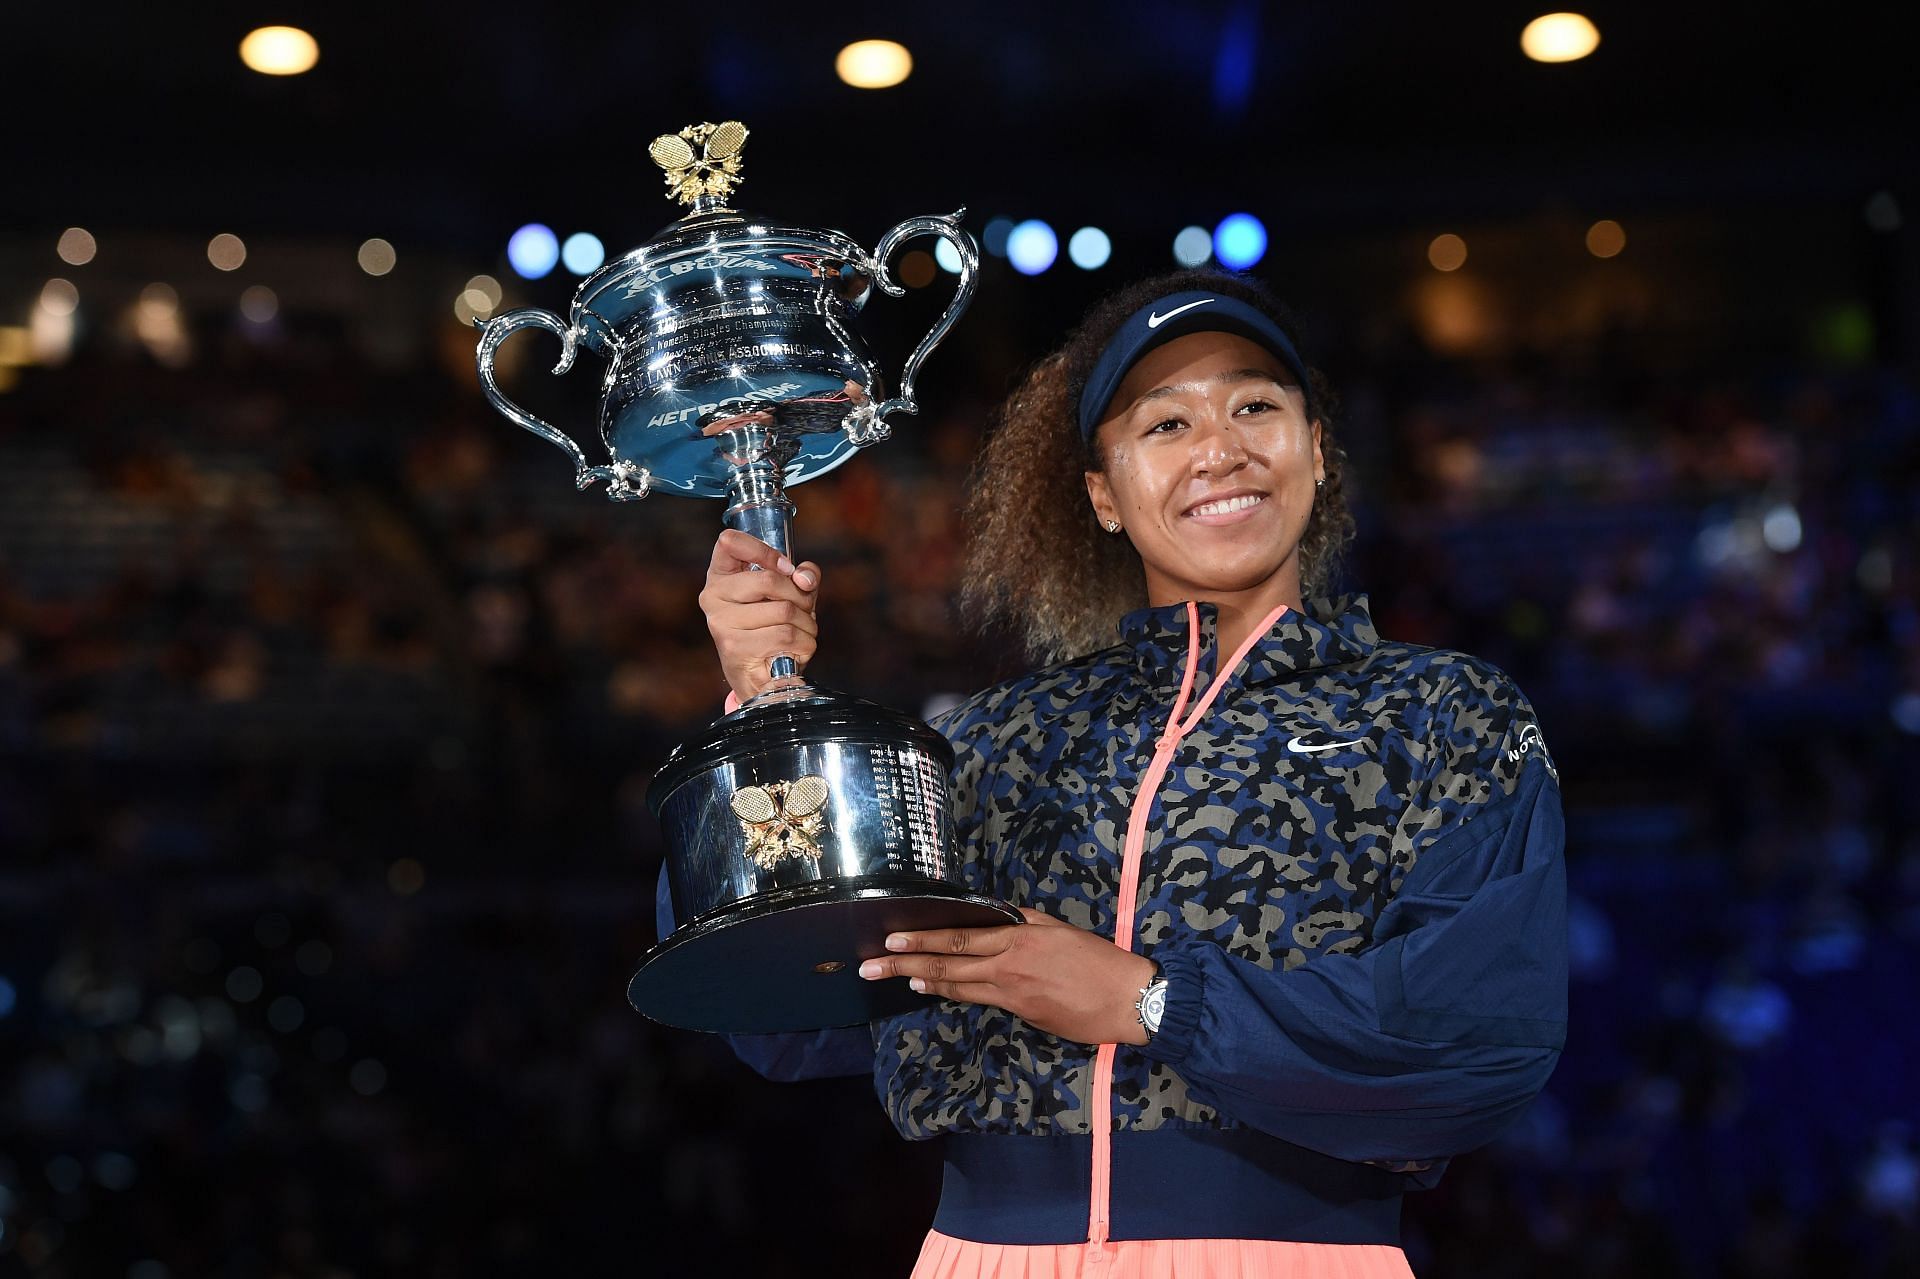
(805, 826)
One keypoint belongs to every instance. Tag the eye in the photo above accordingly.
(1257, 406)
(1166, 426)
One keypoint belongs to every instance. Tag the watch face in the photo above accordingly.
(1153, 1005)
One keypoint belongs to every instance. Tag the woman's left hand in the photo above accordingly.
(1053, 976)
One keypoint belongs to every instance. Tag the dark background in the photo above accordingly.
(327, 706)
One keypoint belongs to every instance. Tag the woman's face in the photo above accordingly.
(1210, 465)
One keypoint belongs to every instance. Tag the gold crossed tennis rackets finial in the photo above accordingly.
(701, 160)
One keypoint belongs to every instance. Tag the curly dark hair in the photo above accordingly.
(1037, 560)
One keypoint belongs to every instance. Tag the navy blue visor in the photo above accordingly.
(1174, 316)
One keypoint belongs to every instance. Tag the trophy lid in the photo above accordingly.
(702, 167)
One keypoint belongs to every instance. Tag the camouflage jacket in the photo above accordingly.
(1352, 880)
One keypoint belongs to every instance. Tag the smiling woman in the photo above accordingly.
(1212, 473)
(1294, 910)
(1056, 446)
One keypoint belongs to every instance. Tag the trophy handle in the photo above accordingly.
(498, 330)
(948, 229)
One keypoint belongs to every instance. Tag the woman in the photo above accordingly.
(1293, 894)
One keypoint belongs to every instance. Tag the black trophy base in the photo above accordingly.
(789, 959)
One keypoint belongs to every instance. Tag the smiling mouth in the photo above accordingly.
(1228, 505)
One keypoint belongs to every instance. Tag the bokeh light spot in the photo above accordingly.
(1089, 248)
(313, 958)
(249, 1094)
(285, 1014)
(227, 251)
(244, 984)
(1193, 246)
(59, 297)
(583, 253)
(158, 325)
(279, 51)
(259, 303)
(1906, 712)
(114, 1170)
(533, 251)
(1559, 37)
(1780, 529)
(376, 256)
(1239, 241)
(994, 238)
(1882, 212)
(1032, 247)
(917, 269)
(65, 1174)
(77, 246)
(1843, 334)
(367, 1076)
(1606, 238)
(1447, 252)
(873, 64)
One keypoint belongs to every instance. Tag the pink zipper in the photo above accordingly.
(1102, 1198)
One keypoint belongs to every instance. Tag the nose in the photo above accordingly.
(1217, 448)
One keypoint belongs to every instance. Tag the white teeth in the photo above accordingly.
(1228, 506)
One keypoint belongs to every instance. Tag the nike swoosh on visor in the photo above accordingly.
(1155, 320)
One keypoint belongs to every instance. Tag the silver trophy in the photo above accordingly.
(805, 826)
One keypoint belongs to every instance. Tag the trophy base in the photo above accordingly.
(789, 959)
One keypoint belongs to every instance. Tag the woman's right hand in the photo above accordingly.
(755, 617)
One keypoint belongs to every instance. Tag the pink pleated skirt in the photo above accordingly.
(944, 1257)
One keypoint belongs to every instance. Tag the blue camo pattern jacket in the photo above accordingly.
(1352, 879)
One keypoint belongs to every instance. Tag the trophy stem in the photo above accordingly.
(757, 503)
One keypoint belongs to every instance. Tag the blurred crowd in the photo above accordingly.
(327, 708)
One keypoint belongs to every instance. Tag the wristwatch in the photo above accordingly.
(1152, 1005)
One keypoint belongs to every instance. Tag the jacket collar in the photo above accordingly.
(1331, 632)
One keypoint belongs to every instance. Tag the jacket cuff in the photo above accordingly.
(1186, 990)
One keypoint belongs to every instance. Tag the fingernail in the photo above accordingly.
(803, 580)
(917, 984)
(784, 564)
(870, 969)
(896, 941)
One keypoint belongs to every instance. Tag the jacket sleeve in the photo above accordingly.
(1428, 1041)
(786, 1058)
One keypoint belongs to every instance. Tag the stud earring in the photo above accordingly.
(1113, 526)
(1318, 485)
